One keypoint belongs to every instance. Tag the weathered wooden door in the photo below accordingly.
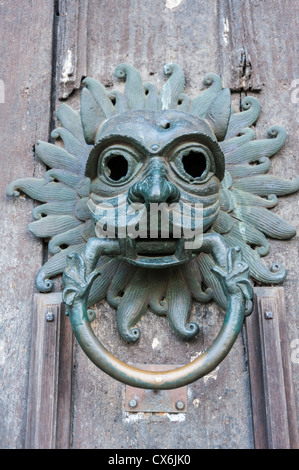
(51, 394)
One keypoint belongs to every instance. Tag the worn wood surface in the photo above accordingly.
(219, 413)
(238, 56)
(49, 401)
(274, 414)
(26, 66)
(277, 37)
(147, 35)
(71, 45)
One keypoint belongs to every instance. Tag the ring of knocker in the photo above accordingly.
(81, 273)
(157, 149)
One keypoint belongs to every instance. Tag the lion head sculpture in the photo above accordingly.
(142, 148)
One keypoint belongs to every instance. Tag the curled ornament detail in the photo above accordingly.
(149, 147)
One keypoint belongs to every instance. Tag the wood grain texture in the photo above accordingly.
(71, 45)
(50, 376)
(262, 50)
(277, 39)
(26, 72)
(272, 390)
(238, 57)
(148, 35)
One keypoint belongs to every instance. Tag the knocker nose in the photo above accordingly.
(157, 191)
(154, 188)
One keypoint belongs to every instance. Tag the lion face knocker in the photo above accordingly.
(166, 160)
(156, 200)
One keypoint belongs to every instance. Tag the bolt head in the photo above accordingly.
(49, 316)
(268, 315)
(133, 403)
(180, 405)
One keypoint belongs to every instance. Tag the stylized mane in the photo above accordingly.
(248, 193)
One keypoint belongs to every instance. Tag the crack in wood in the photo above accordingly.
(72, 44)
(238, 58)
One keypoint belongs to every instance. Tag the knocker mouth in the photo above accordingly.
(150, 239)
(159, 252)
(156, 237)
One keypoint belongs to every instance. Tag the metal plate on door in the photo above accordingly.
(156, 401)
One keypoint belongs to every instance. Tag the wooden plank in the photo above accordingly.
(148, 35)
(238, 58)
(65, 378)
(26, 38)
(50, 377)
(277, 34)
(272, 392)
(71, 50)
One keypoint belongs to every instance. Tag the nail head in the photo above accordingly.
(268, 315)
(180, 405)
(133, 403)
(49, 316)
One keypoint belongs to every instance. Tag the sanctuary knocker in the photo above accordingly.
(195, 160)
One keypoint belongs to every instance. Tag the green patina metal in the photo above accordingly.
(148, 147)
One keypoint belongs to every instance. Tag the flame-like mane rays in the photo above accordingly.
(247, 194)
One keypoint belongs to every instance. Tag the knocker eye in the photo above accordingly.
(192, 163)
(118, 165)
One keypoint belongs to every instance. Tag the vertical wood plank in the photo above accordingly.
(273, 401)
(50, 377)
(238, 57)
(26, 38)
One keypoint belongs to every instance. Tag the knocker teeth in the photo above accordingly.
(158, 147)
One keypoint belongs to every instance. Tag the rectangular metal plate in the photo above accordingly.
(156, 401)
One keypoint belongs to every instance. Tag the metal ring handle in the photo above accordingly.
(75, 296)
